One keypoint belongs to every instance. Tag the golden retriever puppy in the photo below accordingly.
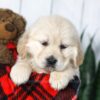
(51, 46)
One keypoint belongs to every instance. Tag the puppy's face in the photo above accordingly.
(54, 45)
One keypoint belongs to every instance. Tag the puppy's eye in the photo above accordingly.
(45, 43)
(62, 46)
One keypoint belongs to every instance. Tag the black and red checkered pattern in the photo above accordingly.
(37, 88)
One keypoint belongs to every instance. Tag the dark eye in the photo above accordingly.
(45, 43)
(62, 46)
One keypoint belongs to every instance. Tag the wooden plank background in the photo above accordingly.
(82, 13)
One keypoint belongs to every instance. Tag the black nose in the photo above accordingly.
(51, 61)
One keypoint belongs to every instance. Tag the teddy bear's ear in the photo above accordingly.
(5, 13)
(20, 24)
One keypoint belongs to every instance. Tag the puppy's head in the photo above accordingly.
(53, 44)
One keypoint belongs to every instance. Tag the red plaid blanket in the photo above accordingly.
(37, 88)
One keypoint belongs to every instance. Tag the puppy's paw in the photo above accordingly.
(19, 75)
(58, 81)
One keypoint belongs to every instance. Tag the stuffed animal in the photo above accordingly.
(12, 25)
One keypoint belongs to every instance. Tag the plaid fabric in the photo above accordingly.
(8, 53)
(37, 88)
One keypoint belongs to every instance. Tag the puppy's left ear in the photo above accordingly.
(78, 56)
(21, 46)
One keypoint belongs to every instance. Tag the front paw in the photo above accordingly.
(58, 81)
(19, 76)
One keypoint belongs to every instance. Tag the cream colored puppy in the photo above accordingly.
(50, 46)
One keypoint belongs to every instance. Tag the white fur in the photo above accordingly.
(59, 80)
(20, 72)
(55, 30)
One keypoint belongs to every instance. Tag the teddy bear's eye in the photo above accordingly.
(62, 46)
(44, 43)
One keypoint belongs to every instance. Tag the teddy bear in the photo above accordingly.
(12, 25)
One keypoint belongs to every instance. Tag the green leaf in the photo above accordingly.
(83, 32)
(87, 74)
(97, 84)
(87, 69)
(86, 95)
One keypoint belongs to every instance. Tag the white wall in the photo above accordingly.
(11, 4)
(83, 14)
(33, 9)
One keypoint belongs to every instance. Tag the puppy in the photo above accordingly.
(51, 46)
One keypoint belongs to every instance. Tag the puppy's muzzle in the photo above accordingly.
(51, 61)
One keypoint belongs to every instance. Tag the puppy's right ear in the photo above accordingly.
(21, 46)
(78, 56)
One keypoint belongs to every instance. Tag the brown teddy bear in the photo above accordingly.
(12, 25)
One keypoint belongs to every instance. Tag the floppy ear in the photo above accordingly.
(78, 56)
(21, 46)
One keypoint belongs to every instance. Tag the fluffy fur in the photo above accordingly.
(55, 31)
